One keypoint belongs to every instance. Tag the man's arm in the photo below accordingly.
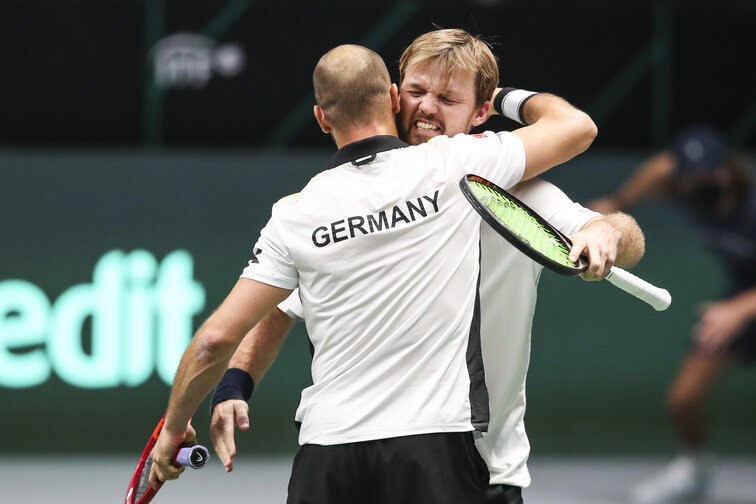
(203, 363)
(254, 356)
(722, 320)
(260, 346)
(555, 131)
(649, 178)
(608, 240)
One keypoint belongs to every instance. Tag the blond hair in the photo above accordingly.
(351, 86)
(455, 50)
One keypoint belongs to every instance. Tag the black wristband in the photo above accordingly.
(235, 384)
(499, 99)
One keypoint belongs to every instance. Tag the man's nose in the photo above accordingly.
(428, 105)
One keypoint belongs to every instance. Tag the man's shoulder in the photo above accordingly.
(286, 201)
(319, 181)
(486, 143)
(461, 138)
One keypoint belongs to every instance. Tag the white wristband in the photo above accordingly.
(512, 102)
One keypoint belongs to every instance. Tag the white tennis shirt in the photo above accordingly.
(385, 251)
(508, 300)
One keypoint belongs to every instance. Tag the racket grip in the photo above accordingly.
(193, 456)
(658, 298)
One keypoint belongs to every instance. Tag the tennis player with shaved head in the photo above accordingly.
(388, 273)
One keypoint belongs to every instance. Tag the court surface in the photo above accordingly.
(90, 480)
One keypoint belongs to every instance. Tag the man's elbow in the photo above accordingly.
(584, 129)
(212, 345)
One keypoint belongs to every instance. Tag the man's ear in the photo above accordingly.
(325, 126)
(481, 114)
(394, 92)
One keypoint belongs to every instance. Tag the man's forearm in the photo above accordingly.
(261, 345)
(554, 131)
(578, 128)
(252, 358)
(207, 356)
(648, 178)
(746, 303)
(200, 369)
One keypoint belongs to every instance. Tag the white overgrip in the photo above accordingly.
(658, 298)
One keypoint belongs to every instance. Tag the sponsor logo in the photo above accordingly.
(133, 319)
(190, 60)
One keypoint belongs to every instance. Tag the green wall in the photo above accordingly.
(601, 359)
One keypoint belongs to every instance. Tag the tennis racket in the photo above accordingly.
(543, 243)
(140, 491)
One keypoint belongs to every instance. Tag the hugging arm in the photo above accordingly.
(246, 368)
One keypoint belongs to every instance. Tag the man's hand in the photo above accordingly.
(226, 415)
(719, 322)
(164, 465)
(598, 240)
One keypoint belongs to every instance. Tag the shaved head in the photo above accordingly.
(352, 86)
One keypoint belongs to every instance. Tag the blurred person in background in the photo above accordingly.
(717, 191)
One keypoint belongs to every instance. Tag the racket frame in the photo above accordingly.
(184, 457)
(131, 497)
(511, 236)
(657, 297)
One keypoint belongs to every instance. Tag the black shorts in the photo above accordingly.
(503, 494)
(443, 468)
(743, 345)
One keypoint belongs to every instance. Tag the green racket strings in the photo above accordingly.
(520, 222)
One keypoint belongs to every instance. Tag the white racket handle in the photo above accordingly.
(193, 456)
(657, 297)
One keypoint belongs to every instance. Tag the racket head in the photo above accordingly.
(521, 226)
(140, 491)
